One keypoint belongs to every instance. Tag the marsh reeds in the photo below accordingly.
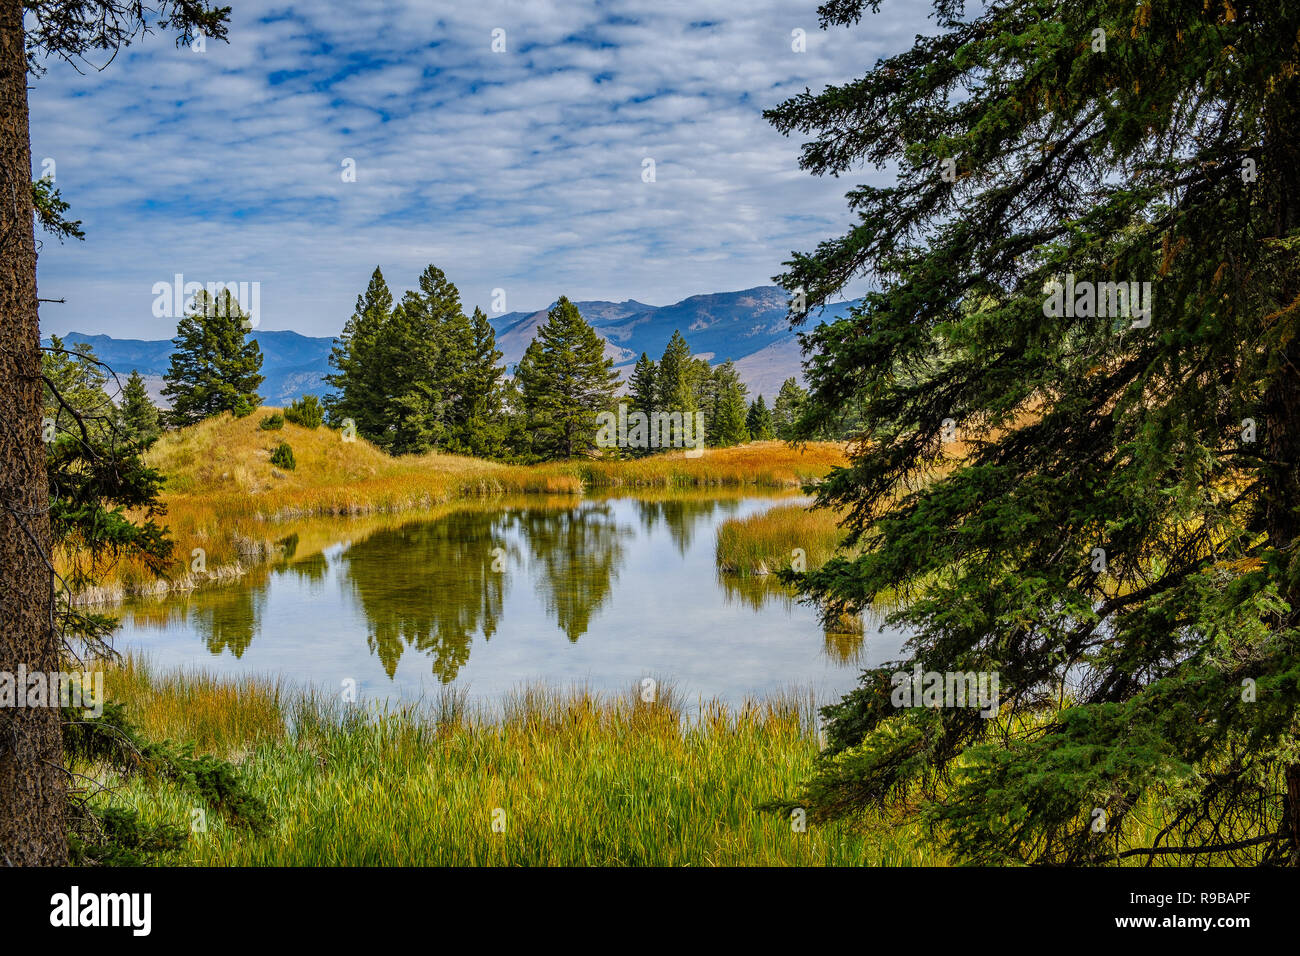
(778, 538)
(548, 777)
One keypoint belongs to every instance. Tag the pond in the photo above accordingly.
(488, 597)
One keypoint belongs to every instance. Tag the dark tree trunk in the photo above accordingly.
(32, 795)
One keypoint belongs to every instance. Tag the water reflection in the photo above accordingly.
(844, 638)
(630, 583)
(682, 515)
(578, 552)
(429, 585)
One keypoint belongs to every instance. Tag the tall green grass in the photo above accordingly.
(576, 779)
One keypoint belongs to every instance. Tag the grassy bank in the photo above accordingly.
(225, 497)
(764, 543)
(581, 780)
(577, 779)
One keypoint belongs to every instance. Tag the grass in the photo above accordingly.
(763, 543)
(225, 497)
(579, 779)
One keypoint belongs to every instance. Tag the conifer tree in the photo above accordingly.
(482, 424)
(787, 408)
(676, 383)
(641, 384)
(360, 363)
(1087, 317)
(727, 425)
(33, 782)
(758, 421)
(137, 417)
(215, 366)
(566, 381)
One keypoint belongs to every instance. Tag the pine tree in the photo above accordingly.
(566, 381)
(74, 389)
(676, 384)
(137, 417)
(482, 425)
(728, 420)
(455, 377)
(1114, 529)
(214, 367)
(425, 346)
(641, 384)
(758, 421)
(787, 408)
(360, 380)
(520, 413)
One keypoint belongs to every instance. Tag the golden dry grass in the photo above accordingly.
(767, 542)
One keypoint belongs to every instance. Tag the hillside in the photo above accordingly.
(748, 326)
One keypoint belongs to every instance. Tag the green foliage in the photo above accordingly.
(358, 357)
(787, 409)
(138, 420)
(479, 426)
(271, 423)
(282, 457)
(419, 375)
(728, 425)
(1114, 541)
(758, 421)
(305, 411)
(565, 380)
(214, 367)
(113, 836)
(641, 384)
(50, 209)
(118, 836)
(676, 383)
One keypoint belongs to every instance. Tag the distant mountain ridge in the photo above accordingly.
(748, 326)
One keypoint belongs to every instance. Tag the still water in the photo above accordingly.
(599, 592)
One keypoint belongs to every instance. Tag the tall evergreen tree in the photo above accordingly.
(482, 423)
(675, 383)
(758, 421)
(1120, 541)
(215, 367)
(787, 408)
(641, 384)
(359, 381)
(566, 381)
(727, 422)
(137, 416)
(520, 392)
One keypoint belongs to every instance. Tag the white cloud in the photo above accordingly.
(519, 170)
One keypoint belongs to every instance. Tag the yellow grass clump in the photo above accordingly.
(768, 542)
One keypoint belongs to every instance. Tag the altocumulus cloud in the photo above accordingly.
(519, 170)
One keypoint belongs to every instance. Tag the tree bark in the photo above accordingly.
(32, 785)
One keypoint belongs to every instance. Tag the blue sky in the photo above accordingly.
(520, 170)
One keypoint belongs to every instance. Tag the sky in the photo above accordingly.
(522, 170)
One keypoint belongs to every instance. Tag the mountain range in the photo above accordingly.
(748, 326)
